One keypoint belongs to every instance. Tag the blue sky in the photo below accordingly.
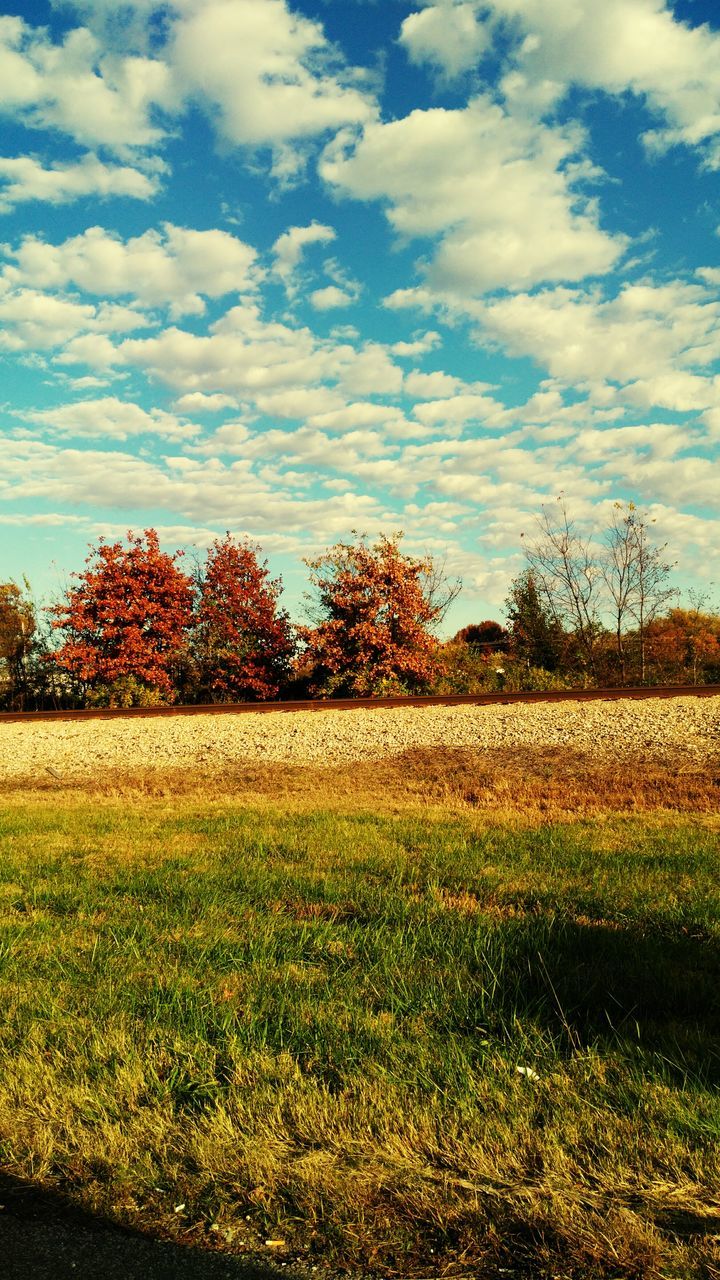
(291, 270)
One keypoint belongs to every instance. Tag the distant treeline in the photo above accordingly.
(137, 627)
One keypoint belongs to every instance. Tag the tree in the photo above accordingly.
(243, 641)
(17, 630)
(568, 579)
(127, 618)
(536, 637)
(620, 571)
(685, 642)
(635, 575)
(487, 637)
(438, 587)
(374, 612)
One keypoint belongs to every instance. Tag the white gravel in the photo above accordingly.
(686, 727)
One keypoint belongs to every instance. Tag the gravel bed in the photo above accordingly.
(663, 729)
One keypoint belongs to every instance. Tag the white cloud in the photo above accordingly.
(176, 266)
(35, 321)
(618, 46)
(289, 247)
(307, 446)
(121, 27)
(449, 37)
(240, 355)
(243, 355)
(456, 410)
(621, 45)
(23, 178)
(51, 519)
(330, 297)
(96, 98)
(109, 418)
(93, 349)
(425, 386)
(490, 196)
(362, 413)
(689, 481)
(268, 73)
(370, 371)
(419, 346)
(652, 338)
(656, 439)
(192, 488)
(89, 381)
(678, 390)
(231, 439)
(494, 189)
(494, 475)
(198, 402)
(298, 401)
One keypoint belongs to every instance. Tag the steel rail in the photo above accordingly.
(355, 704)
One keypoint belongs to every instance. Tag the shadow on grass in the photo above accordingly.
(647, 987)
(43, 1237)
(611, 984)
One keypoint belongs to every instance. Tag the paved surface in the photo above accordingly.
(41, 1239)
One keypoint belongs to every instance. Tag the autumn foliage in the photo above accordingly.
(135, 628)
(486, 637)
(127, 617)
(685, 642)
(373, 615)
(243, 641)
(17, 629)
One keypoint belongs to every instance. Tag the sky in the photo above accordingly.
(291, 270)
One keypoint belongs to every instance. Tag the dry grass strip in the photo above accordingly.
(543, 784)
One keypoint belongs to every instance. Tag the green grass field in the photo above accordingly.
(412, 1041)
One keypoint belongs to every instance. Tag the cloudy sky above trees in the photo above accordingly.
(290, 270)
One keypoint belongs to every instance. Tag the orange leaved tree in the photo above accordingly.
(17, 629)
(374, 609)
(124, 625)
(684, 645)
(243, 641)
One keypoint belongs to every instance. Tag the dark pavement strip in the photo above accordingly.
(42, 1239)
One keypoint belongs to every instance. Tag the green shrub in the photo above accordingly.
(468, 670)
(126, 691)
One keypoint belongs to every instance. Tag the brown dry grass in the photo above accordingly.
(537, 785)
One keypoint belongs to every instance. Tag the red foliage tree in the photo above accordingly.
(487, 637)
(375, 607)
(244, 642)
(128, 616)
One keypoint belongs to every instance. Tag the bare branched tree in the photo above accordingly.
(649, 573)
(581, 582)
(697, 619)
(439, 589)
(619, 570)
(568, 578)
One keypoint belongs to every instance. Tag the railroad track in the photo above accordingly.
(350, 704)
